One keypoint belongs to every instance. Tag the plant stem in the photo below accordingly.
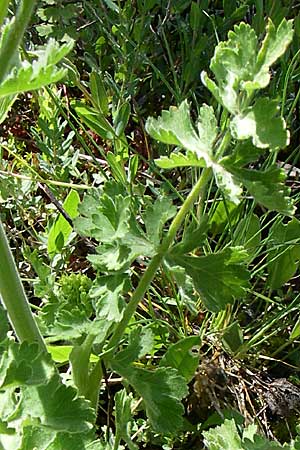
(3, 10)
(14, 298)
(157, 259)
(15, 35)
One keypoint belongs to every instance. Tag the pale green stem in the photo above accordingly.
(15, 35)
(13, 297)
(157, 259)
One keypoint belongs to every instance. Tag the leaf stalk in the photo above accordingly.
(152, 268)
(14, 298)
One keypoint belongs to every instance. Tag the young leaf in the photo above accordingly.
(274, 45)
(107, 296)
(234, 61)
(284, 252)
(175, 127)
(180, 357)
(156, 216)
(41, 72)
(238, 64)
(123, 407)
(162, 391)
(263, 124)
(219, 278)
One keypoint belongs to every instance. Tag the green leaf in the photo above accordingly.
(94, 119)
(61, 228)
(273, 47)
(267, 187)
(181, 357)
(58, 408)
(110, 220)
(175, 127)
(141, 342)
(223, 437)
(227, 437)
(123, 406)
(107, 296)
(98, 92)
(283, 252)
(36, 408)
(230, 187)
(232, 338)
(155, 216)
(180, 160)
(121, 118)
(239, 65)
(39, 73)
(162, 391)
(219, 278)
(70, 325)
(263, 124)
(192, 237)
(234, 61)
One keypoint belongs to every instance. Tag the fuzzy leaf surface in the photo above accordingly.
(219, 278)
(180, 160)
(37, 410)
(227, 437)
(39, 73)
(107, 296)
(175, 127)
(240, 65)
(262, 124)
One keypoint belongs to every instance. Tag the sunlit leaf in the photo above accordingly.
(39, 73)
(263, 124)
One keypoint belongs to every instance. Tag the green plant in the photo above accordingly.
(138, 240)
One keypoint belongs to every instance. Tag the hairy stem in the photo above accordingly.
(14, 36)
(157, 259)
(13, 297)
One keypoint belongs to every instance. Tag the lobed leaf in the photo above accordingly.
(41, 72)
(262, 124)
(239, 65)
(267, 188)
(156, 216)
(219, 278)
(162, 391)
(175, 127)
